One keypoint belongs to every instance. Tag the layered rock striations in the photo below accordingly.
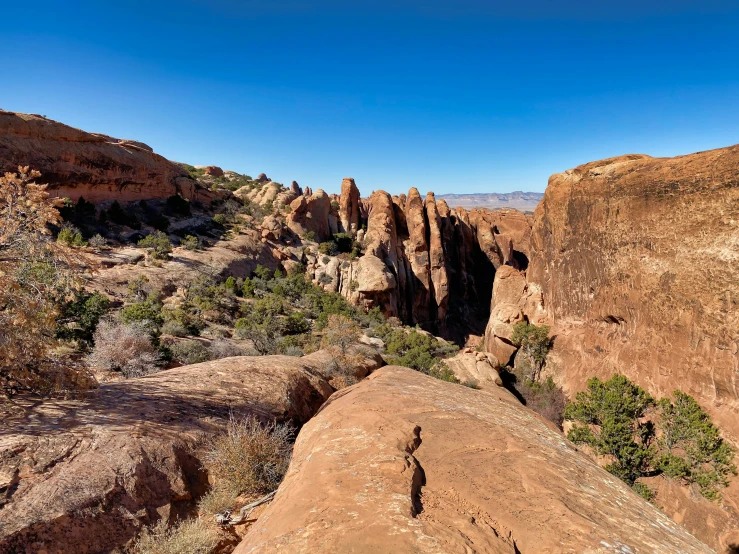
(100, 168)
(406, 463)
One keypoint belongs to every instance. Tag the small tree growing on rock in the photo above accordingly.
(533, 342)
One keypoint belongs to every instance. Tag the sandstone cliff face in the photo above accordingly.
(310, 212)
(405, 463)
(638, 262)
(100, 168)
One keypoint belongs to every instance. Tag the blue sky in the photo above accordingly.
(461, 96)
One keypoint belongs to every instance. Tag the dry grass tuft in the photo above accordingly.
(194, 536)
(250, 458)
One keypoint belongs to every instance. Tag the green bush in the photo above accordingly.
(263, 272)
(533, 342)
(344, 242)
(159, 245)
(189, 352)
(71, 237)
(328, 248)
(190, 243)
(611, 416)
(79, 317)
(192, 324)
(410, 348)
(220, 219)
(691, 447)
(441, 371)
(309, 236)
(149, 310)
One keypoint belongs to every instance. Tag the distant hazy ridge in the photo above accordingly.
(524, 201)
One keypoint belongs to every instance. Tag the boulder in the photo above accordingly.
(262, 178)
(271, 228)
(213, 171)
(406, 463)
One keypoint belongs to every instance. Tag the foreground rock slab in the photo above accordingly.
(84, 476)
(403, 462)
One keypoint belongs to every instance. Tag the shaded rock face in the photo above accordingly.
(381, 469)
(310, 212)
(100, 168)
(89, 474)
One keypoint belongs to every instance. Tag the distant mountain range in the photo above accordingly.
(523, 201)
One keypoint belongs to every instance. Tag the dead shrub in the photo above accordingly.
(124, 347)
(194, 536)
(249, 457)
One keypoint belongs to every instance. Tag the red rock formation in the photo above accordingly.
(437, 260)
(100, 168)
(214, 171)
(349, 206)
(295, 188)
(417, 252)
(262, 178)
(91, 473)
(405, 463)
(310, 213)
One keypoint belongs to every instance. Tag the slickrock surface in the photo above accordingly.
(403, 462)
(638, 261)
(309, 213)
(84, 476)
(98, 167)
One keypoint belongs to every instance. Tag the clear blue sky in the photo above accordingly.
(464, 96)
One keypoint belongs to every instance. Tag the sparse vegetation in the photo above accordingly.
(542, 396)
(420, 351)
(616, 418)
(250, 457)
(193, 536)
(124, 347)
(158, 245)
(533, 342)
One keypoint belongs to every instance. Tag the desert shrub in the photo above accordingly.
(139, 289)
(189, 352)
(190, 243)
(691, 447)
(220, 219)
(194, 536)
(122, 347)
(249, 457)
(150, 310)
(296, 324)
(611, 421)
(158, 244)
(542, 396)
(192, 324)
(37, 275)
(344, 242)
(97, 241)
(248, 288)
(643, 490)
(220, 348)
(178, 205)
(533, 342)
(325, 279)
(174, 329)
(71, 236)
(309, 236)
(442, 371)
(409, 348)
(265, 335)
(263, 273)
(79, 317)
(328, 248)
(82, 213)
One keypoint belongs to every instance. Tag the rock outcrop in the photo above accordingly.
(100, 168)
(309, 213)
(638, 262)
(86, 475)
(349, 206)
(405, 463)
